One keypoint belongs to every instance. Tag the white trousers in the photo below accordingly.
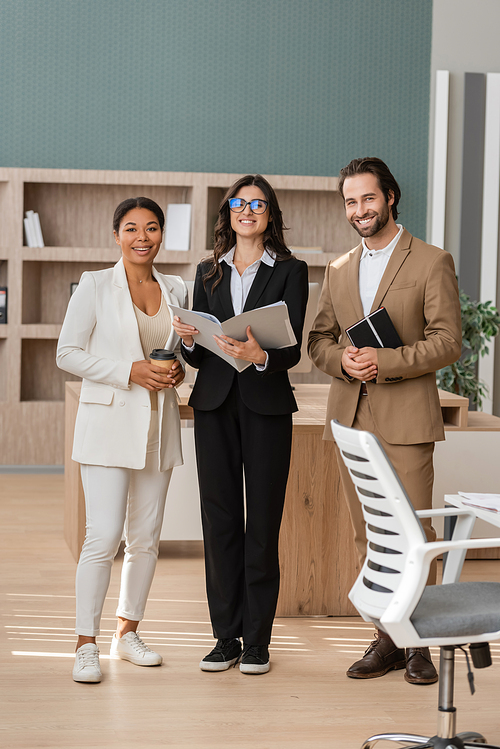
(117, 501)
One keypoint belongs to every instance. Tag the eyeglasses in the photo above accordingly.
(238, 205)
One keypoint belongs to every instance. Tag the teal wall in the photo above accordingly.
(273, 86)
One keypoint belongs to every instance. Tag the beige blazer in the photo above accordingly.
(420, 292)
(99, 341)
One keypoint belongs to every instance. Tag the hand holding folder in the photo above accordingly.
(270, 326)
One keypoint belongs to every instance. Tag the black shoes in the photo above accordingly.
(255, 659)
(225, 654)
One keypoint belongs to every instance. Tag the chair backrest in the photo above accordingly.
(392, 527)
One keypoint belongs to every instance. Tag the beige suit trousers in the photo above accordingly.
(414, 466)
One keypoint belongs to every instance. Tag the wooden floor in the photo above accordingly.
(304, 702)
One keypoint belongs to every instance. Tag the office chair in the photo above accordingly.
(391, 589)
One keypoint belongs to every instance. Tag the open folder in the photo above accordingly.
(270, 326)
(375, 330)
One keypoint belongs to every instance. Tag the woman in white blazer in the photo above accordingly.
(127, 432)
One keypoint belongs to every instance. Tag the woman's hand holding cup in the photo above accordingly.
(169, 365)
(162, 371)
(176, 374)
(148, 375)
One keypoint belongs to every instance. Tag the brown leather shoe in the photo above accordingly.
(419, 666)
(379, 658)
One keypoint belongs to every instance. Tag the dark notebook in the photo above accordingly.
(375, 330)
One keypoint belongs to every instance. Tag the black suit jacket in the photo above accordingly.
(267, 392)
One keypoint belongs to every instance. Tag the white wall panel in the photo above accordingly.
(491, 202)
(440, 157)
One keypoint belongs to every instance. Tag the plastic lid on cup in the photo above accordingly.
(162, 354)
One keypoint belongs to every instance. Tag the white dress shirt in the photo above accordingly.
(241, 285)
(371, 269)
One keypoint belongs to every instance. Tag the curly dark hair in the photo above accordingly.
(377, 167)
(225, 237)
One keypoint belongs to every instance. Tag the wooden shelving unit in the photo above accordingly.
(76, 208)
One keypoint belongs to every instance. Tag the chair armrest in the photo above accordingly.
(435, 548)
(463, 530)
(416, 572)
(457, 550)
(444, 512)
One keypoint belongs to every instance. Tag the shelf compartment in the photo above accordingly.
(3, 366)
(455, 409)
(316, 218)
(214, 199)
(6, 213)
(41, 379)
(46, 289)
(4, 281)
(80, 215)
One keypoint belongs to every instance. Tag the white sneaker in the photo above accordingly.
(87, 666)
(131, 648)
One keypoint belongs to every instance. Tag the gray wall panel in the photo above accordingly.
(472, 183)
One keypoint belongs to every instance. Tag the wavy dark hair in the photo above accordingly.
(130, 203)
(380, 170)
(225, 236)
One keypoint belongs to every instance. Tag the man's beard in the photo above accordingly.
(375, 226)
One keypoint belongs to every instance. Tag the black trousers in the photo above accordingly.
(236, 445)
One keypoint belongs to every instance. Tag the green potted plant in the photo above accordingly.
(480, 323)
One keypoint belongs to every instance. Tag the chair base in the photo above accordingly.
(464, 740)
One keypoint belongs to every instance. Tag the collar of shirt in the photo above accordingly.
(385, 250)
(241, 285)
(268, 257)
(372, 266)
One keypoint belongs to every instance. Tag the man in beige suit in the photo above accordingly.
(389, 392)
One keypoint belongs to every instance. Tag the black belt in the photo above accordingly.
(364, 389)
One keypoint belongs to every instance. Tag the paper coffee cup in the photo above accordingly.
(163, 358)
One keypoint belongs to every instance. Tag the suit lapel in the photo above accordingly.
(168, 293)
(353, 280)
(399, 255)
(260, 282)
(126, 314)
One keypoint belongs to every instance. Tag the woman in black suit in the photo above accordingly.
(243, 421)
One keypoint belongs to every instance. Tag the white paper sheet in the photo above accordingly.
(483, 501)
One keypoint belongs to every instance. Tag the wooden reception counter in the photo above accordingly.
(317, 556)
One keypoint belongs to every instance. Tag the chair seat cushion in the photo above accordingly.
(458, 610)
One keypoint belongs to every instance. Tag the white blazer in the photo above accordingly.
(99, 341)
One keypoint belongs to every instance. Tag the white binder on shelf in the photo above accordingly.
(178, 226)
(33, 230)
(29, 233)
